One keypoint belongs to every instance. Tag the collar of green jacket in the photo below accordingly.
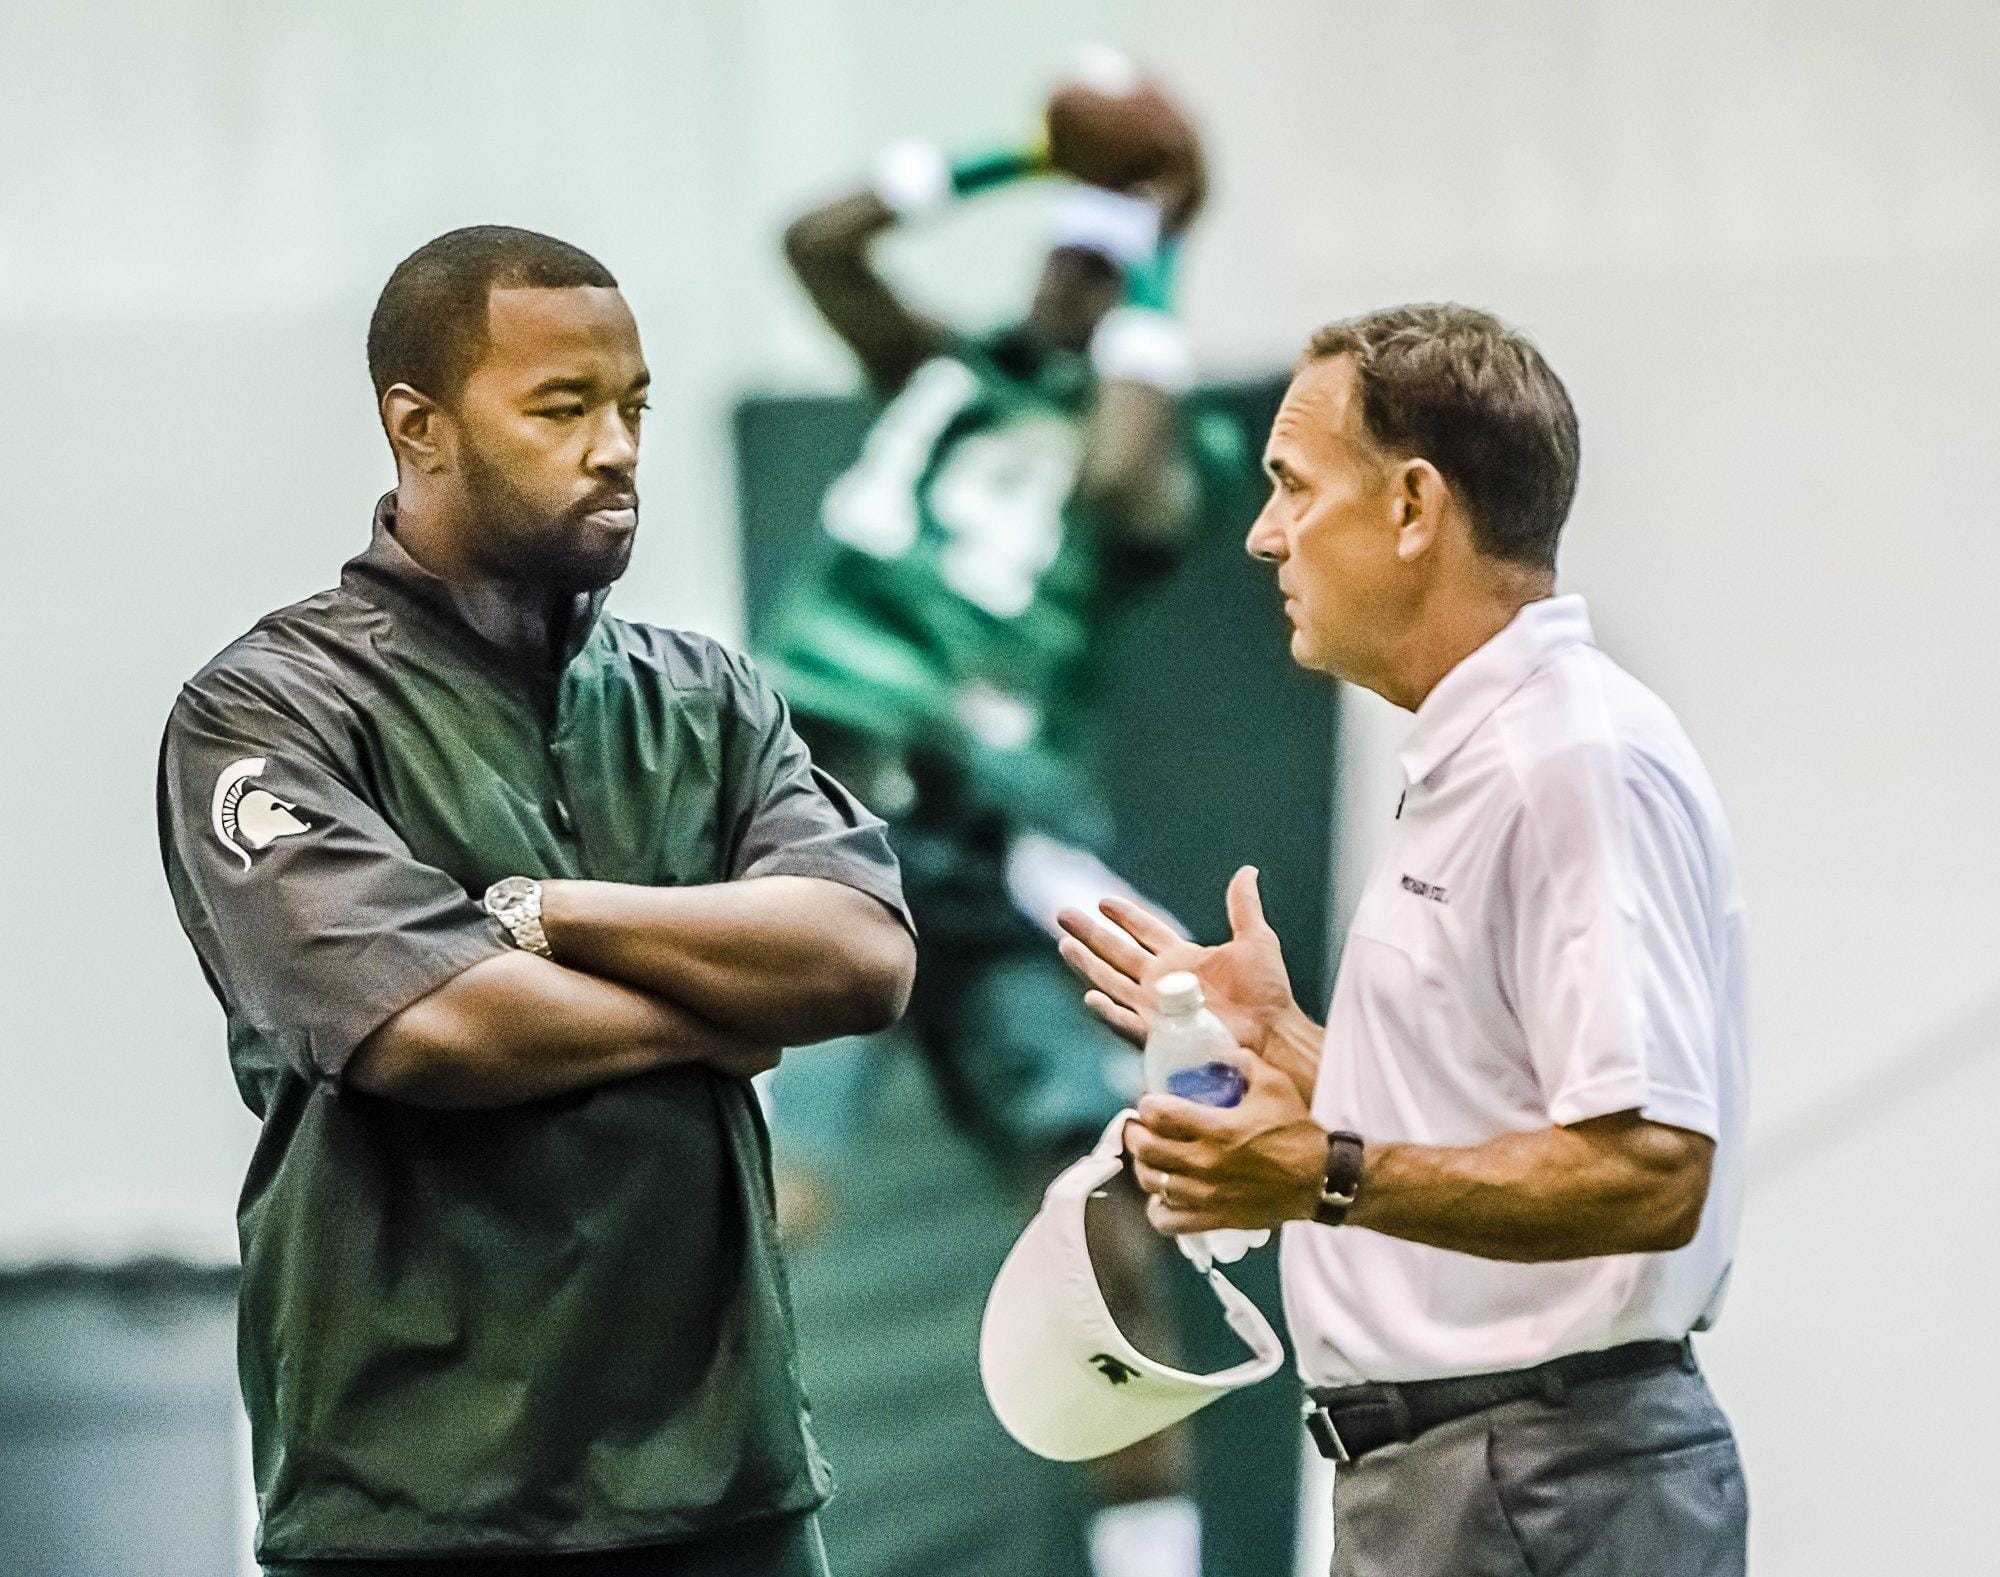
(386, 574)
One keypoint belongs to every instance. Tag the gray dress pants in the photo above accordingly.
(1629, 1477)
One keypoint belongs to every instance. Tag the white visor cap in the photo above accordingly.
(1060, 1375)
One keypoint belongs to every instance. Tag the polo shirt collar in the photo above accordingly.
(1467, 696)
(386, 565)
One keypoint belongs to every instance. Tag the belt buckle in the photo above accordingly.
(1320, 1425)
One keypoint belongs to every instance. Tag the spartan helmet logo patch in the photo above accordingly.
(1116, 1370)
(246, 818)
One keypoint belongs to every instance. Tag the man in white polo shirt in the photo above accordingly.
(1510, 1166)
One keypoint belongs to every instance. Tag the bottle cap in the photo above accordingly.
(1178, 992)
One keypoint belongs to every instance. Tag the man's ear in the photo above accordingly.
(418, 429)
(1418, 494)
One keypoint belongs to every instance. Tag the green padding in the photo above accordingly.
(1218, 752)
(888, 1299)
(1246, 1460)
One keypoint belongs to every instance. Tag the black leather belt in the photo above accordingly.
(1349, 1421)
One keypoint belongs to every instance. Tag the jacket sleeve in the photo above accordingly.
(787, 817)
(312, 919)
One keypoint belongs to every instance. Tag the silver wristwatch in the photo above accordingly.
(516, 902)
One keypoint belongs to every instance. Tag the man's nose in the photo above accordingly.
(1266, 540)
(614, 445)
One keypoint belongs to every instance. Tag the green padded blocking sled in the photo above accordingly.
(1231, 765)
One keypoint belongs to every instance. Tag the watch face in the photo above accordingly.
(509, 892)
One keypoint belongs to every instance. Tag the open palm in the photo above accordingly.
(1243, 980)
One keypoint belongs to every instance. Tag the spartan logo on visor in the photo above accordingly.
(1116, 1370)
(247, 818)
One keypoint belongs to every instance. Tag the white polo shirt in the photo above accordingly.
(1552, 933)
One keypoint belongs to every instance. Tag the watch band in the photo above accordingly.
(1344, 1154)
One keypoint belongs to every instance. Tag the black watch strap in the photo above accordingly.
(1343, 1177)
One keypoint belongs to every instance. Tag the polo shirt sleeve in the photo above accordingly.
(1612, 952)
(314, 921)
(786, 816)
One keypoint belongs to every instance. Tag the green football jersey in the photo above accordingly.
(958, 594)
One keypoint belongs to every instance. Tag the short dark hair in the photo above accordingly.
(1461, 389)
(429, 325)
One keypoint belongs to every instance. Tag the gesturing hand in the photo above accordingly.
(1243, 980)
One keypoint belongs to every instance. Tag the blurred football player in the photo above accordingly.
(940, 648)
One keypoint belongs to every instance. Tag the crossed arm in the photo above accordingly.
(645, 978)
(331, 926)
(1616, 1184)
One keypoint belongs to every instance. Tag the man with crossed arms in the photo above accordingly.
(1510, 1166)
(505, 900)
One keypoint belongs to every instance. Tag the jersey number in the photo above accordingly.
(998, 496)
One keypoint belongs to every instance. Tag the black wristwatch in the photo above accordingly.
(1342, 1180)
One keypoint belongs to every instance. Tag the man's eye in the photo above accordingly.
(633, 412)
(560, 413)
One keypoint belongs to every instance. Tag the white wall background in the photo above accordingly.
(1759, 240)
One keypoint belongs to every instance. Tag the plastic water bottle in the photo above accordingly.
(1183, 1054)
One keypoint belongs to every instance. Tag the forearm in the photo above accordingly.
(836, 234)
(1133, 473)
(828, 252)
(1618, 1186)
(828, 249)
(519, 1028)
(792, 958)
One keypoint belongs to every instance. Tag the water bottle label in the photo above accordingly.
(1212, 1084)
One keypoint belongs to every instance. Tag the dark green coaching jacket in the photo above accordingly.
(556, 1326)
